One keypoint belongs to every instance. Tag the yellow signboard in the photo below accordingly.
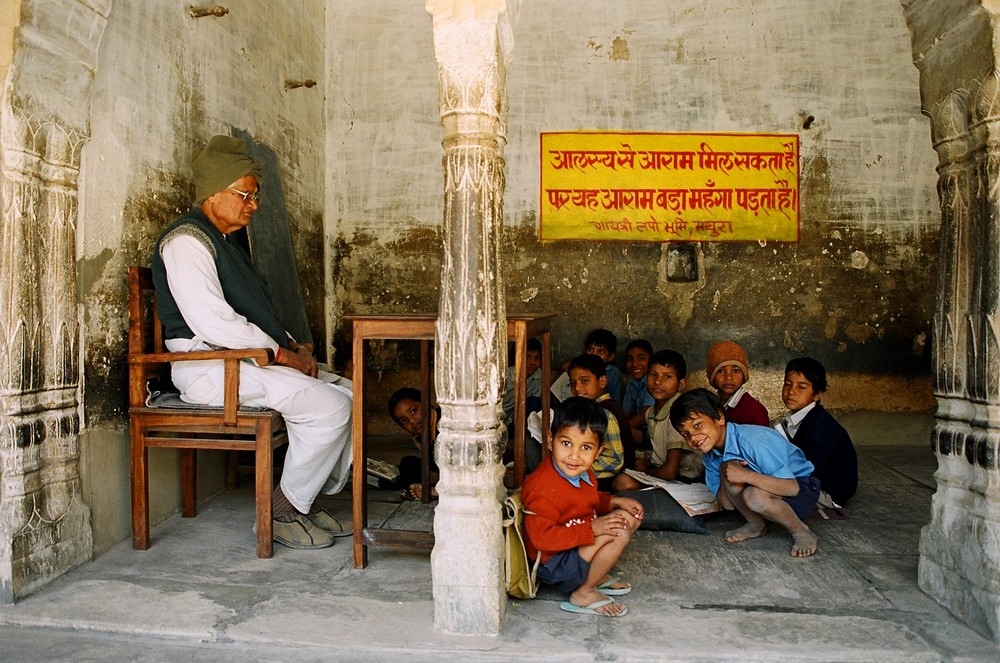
(669, 187)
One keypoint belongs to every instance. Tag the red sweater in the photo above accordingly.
(748, 411)
(560, 513)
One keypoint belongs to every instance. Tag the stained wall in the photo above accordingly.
(361, 165)
(856, 291)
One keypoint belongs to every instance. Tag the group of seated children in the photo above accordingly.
(776, 474)
(766, 474)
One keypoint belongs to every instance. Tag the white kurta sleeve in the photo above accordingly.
(194, 284)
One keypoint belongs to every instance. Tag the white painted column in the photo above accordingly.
(471, 47)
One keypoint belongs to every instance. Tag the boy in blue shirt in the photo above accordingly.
(752, 469)
(533, 391)
(637, 396)
(604, 343)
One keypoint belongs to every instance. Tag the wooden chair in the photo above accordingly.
(190, 428)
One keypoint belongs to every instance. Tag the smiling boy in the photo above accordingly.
(561, 505)
(665, 380)
(637, 398)
(752, 469)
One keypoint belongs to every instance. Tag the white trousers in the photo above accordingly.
(317, 413)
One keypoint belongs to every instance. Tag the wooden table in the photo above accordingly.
(422, 327)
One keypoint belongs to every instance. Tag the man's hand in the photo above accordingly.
(300, 358)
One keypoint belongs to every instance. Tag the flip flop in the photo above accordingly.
(592, 608)
(606, 588)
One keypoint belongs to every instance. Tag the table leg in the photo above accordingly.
(359, 478)
(425, 433)
(520, 398)
(546, 389)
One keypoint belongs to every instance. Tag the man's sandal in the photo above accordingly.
(325, 520)
(301, 534)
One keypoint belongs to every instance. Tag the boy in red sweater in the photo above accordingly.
(561, 503)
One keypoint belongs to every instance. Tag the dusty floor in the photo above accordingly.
(200, 594)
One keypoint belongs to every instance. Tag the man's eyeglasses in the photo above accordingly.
(247, 196)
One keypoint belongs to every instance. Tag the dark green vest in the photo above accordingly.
(242, 285)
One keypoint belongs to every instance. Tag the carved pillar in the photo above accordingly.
(471, 348)
(960, 547)
(44, 524)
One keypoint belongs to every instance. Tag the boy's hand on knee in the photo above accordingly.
(737, 471)
(612, 524)
(631, 506)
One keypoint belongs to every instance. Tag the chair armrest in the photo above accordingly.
(263, 356)
(231, 360)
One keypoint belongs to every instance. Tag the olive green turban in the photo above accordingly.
(223, 161)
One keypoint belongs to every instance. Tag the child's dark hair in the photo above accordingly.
(534, 345)
(696, 401)
(671, 359)
(411, 393)
(602, 337)
(640, 343)
(591, 363)
(582, 413)
(811, 370)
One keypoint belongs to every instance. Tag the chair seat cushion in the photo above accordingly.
(172, 400)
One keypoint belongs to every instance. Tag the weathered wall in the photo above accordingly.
(165, 83)
(856, 292)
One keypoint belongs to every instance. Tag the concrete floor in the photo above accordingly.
(200, 594)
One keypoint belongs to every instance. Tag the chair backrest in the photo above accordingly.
(145, 334)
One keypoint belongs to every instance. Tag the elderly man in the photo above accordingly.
(210, 296)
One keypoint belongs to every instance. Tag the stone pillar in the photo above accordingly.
(960, 548)
(472, 49)
(44, 524)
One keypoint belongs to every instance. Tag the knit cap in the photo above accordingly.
(223, 161)
(726, 353)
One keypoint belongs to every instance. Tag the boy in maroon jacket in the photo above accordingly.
(561, 504)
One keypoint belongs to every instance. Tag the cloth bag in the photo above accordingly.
(521, 576)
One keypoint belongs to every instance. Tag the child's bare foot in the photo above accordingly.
(416, 492)
(804, 543)
(748, 531)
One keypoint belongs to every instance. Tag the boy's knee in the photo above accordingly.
(756, 499)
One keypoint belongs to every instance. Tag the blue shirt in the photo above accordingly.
(574, 480)
(765, 450)
(637, 396)
(614, 387)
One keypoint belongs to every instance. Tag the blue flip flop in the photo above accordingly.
(592, 608)
(606, 588)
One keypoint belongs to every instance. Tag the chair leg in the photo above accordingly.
(264, 485)
(189, 482)
(232, 468)
(140, 489)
